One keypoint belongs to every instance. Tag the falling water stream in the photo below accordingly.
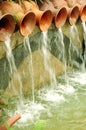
(58, 106)
(46, 56)
(13, 69)
(27, 46)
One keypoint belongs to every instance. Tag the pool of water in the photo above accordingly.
(59, 106)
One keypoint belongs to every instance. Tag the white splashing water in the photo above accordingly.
(79, 77)
(75, 43)
(29, 111)
(53, 95)
(84, 28)
(74, 33)
(63, 50)
(13, 70)
(46, 56)
(27, 46)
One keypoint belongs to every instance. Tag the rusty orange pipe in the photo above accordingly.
(7, 26)
(43, 18)
(10, 121)
(26, 22)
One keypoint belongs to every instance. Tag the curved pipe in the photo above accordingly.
(10, 121)
(43, 18)
(73, 14)
(7, 26)
(83, 13)
(26, 22)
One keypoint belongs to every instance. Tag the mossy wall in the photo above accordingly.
(22, 57)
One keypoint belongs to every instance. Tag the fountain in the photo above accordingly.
(43, 78)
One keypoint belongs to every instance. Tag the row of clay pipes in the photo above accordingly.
(26, 15)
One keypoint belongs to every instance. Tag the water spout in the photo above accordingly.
(59, 12)
(26, 22)
(73, 14)
(7, 26)
(83, 13)
(43, 18)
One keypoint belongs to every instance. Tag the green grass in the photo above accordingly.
(39, 125)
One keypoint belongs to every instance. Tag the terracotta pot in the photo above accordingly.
(59, 12)
(82, 4)
(7, 26)
(43, 18)
(10, 121)
(26, 22)
(82, 7)
(73, 14)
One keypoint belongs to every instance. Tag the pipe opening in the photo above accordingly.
(83, 14)
(46, 20)
(7, 26)
(7, 23)
(74, 15)
(61, 17)
(28, 24)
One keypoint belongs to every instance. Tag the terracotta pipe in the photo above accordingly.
(61, 17)
(82, 4)
(59, 12)
(82, 7)
(43, 18)
(83, 13)
(73, 14)
(10, 121)
(7, 26)
(26, 22)
(73, 11)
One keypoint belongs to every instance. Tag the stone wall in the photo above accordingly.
(56, 48)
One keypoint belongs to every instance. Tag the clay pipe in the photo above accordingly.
(7, 26)
(43, 18)
(59, 12)
(72, 10)
(73, 14)
(10, 121)
(82, 4)
(26, 22)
